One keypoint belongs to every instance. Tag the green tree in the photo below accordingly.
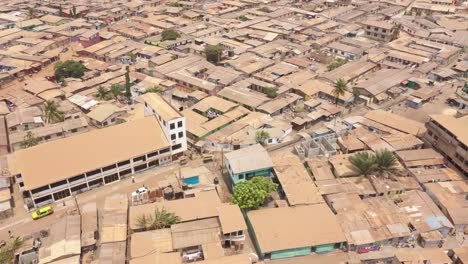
(132, 56)
(153, 89)
(158, 220)
(339, 89)
(356, 95)
(271, 92)
(115, 91)
(29, 141)
(261, 136)
(264, 9)
(213, 53)
(337, 63)
(52, 113)
(173, 4)
(128, 92)
(63, 82)
(102, 93)
(169, 34)
(363, 163)
(385, 161)
(31, 13)
(465, 87)
(243, 18)
(67, 69)
(265, 184)
(7, 253)
(252, 194)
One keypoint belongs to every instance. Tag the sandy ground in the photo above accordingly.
(435, 107)
(23, 225)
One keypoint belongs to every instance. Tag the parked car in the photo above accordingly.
(141, 190)
(42, 212)
(368, 249)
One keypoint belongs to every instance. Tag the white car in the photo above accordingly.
(141, 190)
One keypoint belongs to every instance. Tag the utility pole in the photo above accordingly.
(222, 162)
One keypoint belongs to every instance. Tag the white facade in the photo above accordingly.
(174, 130)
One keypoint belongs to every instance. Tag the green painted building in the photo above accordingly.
(249, 162)
(286, 232)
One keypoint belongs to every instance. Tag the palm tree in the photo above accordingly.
(116, 91)
(363, 163)
(102, 93)
(160, 219)
(356, 95)
(385, 161)
(7, 253)
(16, 243)
(128, 92)
(52, 114)
(340, 89)
(145, 221)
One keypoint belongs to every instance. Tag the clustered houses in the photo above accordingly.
(205, 228)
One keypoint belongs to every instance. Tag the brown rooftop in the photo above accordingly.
(60, 159)
(295, 227)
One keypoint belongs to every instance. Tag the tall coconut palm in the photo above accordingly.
(51, 112)
(340, 89)
(116, 91)
(102, 93)
(158, 220)
(128, 92)
(385, 161)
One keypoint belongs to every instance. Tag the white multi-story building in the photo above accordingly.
(171, 121)
(54, 170)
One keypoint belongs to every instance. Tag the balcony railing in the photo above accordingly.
(94, 176)
(234, 238)
(123, 167)
(41, 193)
(59, 188)
(107, 172)
(72, 183)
